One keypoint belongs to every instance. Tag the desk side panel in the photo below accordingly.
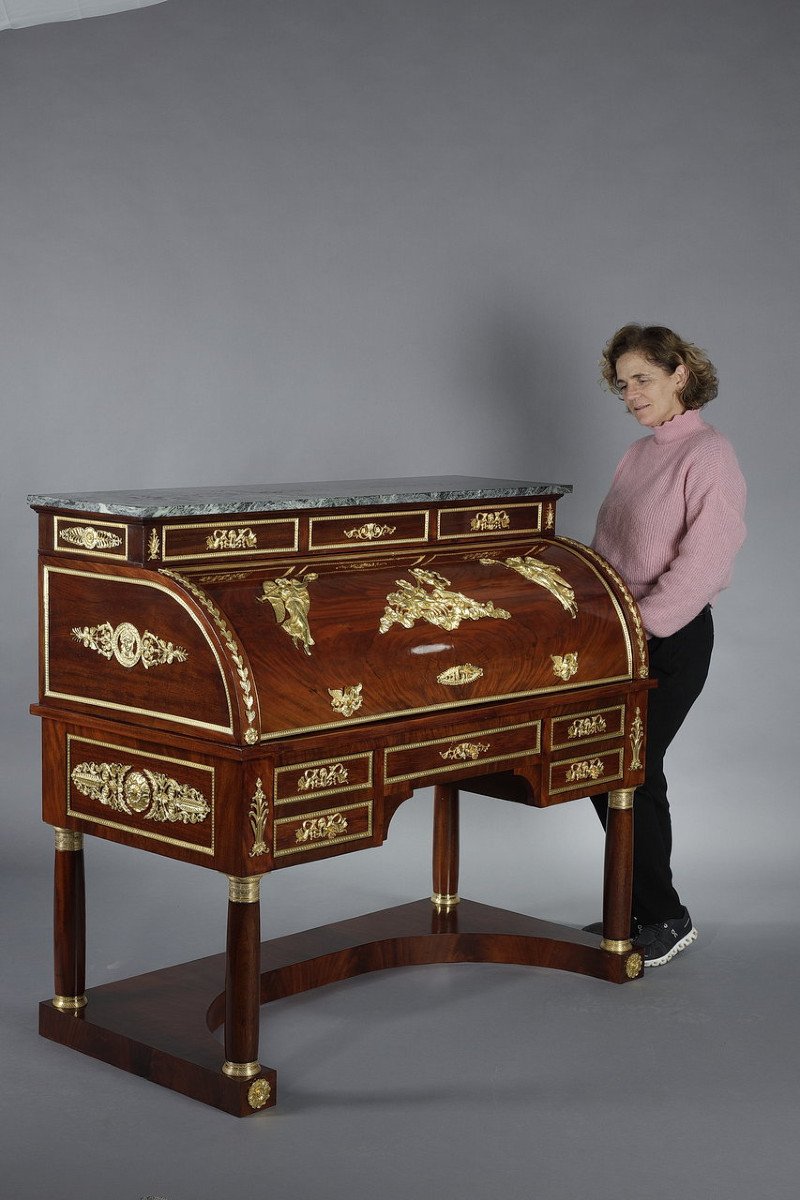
(123, 642)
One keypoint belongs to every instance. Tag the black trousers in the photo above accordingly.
(680, 664)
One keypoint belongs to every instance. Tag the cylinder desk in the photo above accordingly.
(250, 679)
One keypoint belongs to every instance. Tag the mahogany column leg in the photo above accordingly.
(445, 847)
(618, 875)
(242, 977)
(69, 922)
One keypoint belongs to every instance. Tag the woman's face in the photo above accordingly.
(649, 392)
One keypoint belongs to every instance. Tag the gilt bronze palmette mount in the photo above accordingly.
(147, 794)
(90, 538)
(637, 737)
(125, 644)
(259, 812)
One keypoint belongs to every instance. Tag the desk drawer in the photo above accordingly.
(587, 775)
(310, 832)
(164, 799)
(106, 539)
(229, 539)
(462, 752)
(368, 529)
(322, 777)
(588, 726)
(506, 520)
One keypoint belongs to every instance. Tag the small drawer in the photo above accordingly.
(323, 777)
(587, 775)
(314, 831)
(506, 520)
(590, 726)
(368, 529)
(461, 752)
(107, 539)
(229, 539)
(163, 799)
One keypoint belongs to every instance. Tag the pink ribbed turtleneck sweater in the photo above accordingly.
(673, 520)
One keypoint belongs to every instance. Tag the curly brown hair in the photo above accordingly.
(668, 350)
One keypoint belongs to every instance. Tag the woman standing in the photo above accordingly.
(671, 525)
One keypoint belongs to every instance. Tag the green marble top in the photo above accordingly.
(250, 498)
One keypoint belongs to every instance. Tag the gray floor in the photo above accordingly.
(446, 1082)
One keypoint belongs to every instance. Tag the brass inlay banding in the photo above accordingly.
(565, 665)
(443, 903)
(346, 700)
(438, 606)
(221, 576)
(465, 751)
(547, 575)
(244, 889)
(70, 1003)
(291, 604)
(637, 735)
(457, 676)
(128, 646)
(150, 795)
(259, 1093)
(259, 811)
(621, 799)
(616, 947)
(580, 771)
(241, 1070)
(68, 839)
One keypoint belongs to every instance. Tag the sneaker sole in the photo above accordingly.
(676, 949)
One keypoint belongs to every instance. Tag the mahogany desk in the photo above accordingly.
(249, 679)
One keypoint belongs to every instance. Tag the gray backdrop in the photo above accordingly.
(261, 241)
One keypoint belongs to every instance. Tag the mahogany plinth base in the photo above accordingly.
(158, 1025)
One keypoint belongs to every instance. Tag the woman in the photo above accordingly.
(671, 525)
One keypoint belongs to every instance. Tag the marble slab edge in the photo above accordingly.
(198, 502)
